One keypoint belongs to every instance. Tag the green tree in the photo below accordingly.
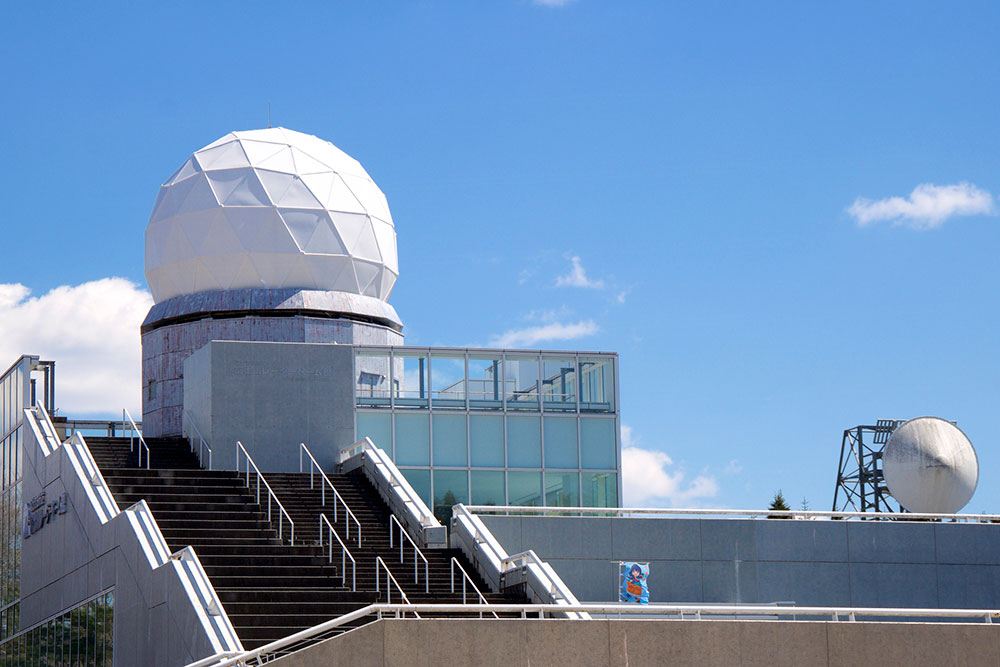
(778, 504)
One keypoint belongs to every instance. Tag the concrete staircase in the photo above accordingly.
(304, 504)
(269, 589)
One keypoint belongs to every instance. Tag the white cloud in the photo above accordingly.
(928, 206)
(530, 336)
(553, 3)
(629, 438)
(91, 331)
(647, 482)
(577, 277)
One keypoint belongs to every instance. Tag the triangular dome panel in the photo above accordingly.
(246, 276)
(249, 192)
(260, 230)
(366, 276)
(280, 161)
(342, 199)
(224, 156)
(224, 268)
(307, 164)
(299, 275)
(298, 196)
(199, 197)
(302, 225)
(188, 169)
(220, 239)
(319, 184)
(272, 268)
(385, 235)
(258, 151)
(365, 246)
(275, 183)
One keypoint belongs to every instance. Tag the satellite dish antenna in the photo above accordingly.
(930, 466)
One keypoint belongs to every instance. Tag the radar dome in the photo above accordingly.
(270, 209)
(930, 466)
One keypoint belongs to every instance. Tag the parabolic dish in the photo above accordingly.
(930, 466)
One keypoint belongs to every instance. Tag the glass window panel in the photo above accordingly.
(486, 440)
(485, 383)
(371, 369)
(450, 488)
(376, 426)
(420, 480)
(559, 383)
(410, 381)
(600, 489)
(412, 440)
(521, 382)
(524, 488)
(450, 441)
(93, 634)
(524, 442)
(562, 489)
(597, 384)
(488, 487)
(448, 381)
(109, 643)
(597, 443)
(560, 443)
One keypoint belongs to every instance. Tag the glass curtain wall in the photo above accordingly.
(15, 396)
(495, 427)
(80, 636)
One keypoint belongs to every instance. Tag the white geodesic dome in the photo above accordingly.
(270, 209)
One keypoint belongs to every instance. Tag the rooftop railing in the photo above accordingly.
(658, 512)
(694, 613)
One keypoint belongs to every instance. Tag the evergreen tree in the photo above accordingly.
(778, 504)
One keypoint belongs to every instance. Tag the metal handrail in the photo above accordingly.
(388, 578)
(485, 551)
(270, 492)
(416, 552)
(132, 431)
(663, 512)
(412, 499)
(699, 613)
(336, 494)
(202, 443)
(344, 554)
(467, 578)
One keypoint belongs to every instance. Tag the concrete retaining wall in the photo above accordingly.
(824, 563)
(523, 643)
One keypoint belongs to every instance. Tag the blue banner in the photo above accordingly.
(634, 587)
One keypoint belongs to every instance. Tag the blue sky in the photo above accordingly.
(700, 162)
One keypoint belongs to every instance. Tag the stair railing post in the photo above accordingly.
(452, 564)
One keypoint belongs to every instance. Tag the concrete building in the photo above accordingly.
(299, 469)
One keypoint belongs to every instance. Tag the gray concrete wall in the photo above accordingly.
(826, 563)
(271, 397)
(165, 349)
(79, 554)
(534, 643)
